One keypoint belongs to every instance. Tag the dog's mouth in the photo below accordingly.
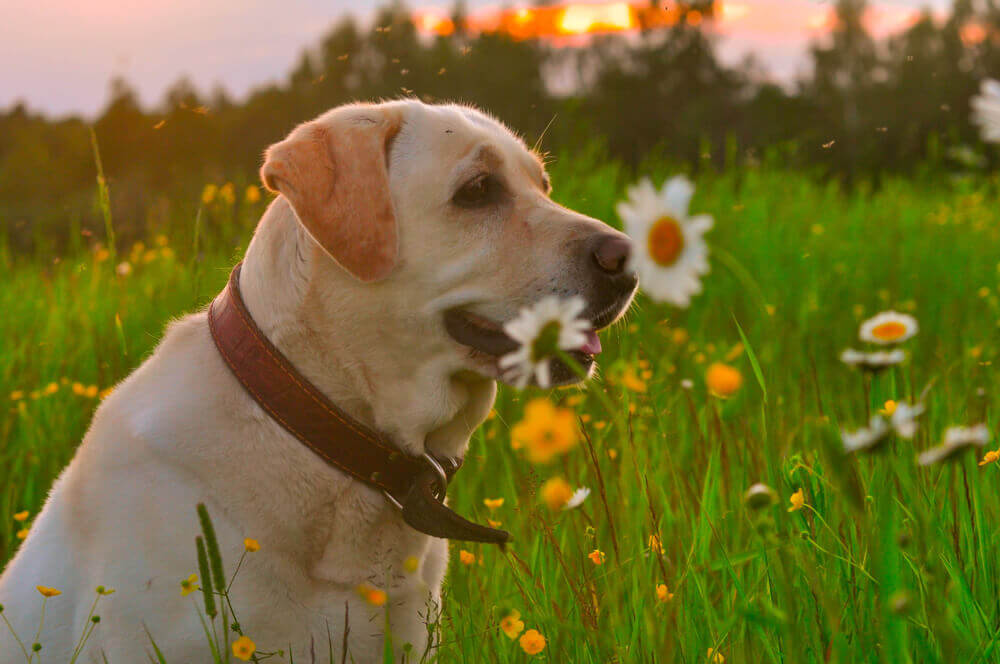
(488, 341)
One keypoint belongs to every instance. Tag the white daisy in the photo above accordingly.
(866, 438)
(888, 327)
(956, 439)
(543, 329)
(876, 361)
(986, 110)
(759, 495)
(577, 498)
(904, 418)
(672, 254)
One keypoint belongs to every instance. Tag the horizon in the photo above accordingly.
(154, 46)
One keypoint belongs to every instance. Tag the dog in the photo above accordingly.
(402, 236)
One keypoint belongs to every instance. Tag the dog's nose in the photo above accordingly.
(611, 253)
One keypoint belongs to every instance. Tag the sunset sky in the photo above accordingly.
(60, 54)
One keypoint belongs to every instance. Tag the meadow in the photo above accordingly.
(882, 561)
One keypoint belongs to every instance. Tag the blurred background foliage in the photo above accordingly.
(864, 108)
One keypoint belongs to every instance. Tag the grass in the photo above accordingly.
(887, 561)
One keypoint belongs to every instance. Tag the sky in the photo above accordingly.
(59, 55)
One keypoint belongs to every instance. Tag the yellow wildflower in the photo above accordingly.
(556, 492)
(532, 642)
(208, 194)
(680, 336)
(715, 657)
(252, 194)
(372, 595)
(597, 557)
(22, 516)
(494, 524)
(101, 255)
(251, 545)
(189, 585)
(90, 392)
(161, 240)
(467, 557)
(633, 382)
(663, 594)
(545, 431)
(797, 500)
(655, 544)
(48, 592)
(22, 533)
(244, 648)
(103, 394)
(723, 380)
(888, 409)
(512, 625)
(493, 503)
(79, 389)
(16, 395)
(989, 457)
(227, 193)
(51, 388)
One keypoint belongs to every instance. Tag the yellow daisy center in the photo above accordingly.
(665, 241)
(889, 331)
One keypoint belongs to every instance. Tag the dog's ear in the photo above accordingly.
(335, 177)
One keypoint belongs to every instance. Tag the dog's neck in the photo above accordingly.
(351, 343)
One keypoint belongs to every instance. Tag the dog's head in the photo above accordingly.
(443, 218)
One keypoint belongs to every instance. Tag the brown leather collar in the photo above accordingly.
(416, 485)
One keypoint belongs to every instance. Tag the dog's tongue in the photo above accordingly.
(592, 344)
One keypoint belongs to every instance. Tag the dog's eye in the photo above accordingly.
(479, 191)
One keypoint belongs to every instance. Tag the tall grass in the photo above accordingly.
(887, 561)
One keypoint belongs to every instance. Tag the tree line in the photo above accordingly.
(865, 108)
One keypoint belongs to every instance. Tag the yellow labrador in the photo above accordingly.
(403, 237)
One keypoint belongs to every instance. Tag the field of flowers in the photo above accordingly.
(732, 487)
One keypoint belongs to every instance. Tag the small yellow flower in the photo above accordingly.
(494, 524)
(680, 336)
(493, 503)
(103, 394)
(22, 516)
(90, 392)
(545, 431)
(78, 389)
(411, 564)
(663, 594)
(990, 457)
(251, 545)
(252, 194)
(48, 592)
(597, 557)
(633, 382)
(723, 380)
(161, 240)
(101, 255)
(467, 557)
(372, 595)
(22, 533)
(227, 193)
(189, 585)
(16, 395)
(244, 648)
(715, 657)
(532, 642)
(50, 389)
(556, 492)
(888, 409)
(655, 544)
(797, 500)
(208, 194)
(512, 625)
